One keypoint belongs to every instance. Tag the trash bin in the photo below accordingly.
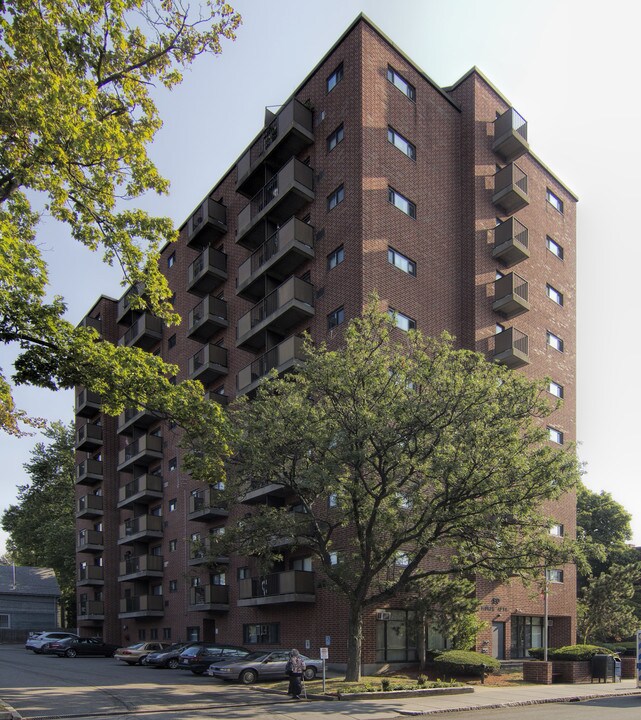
(617, 669)
(602, 667)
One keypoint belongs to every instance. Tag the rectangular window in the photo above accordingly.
(401, 202)
(172, 341)
(261, 634)
(554, 341)
(173, 464)
(335, 78)
(401, 262)
(555, 576)
(302, 564)
(554, 294)
(173, 504)
(555, 389)
(332, 500)
(5, 622)
(556, 436)
(555, 201)
(171, 260)
(554, 247)
(336, 317)
(401, 83)
(218, 579)
(142, 634)
(401, 143)
(153, 634)
(401, 559)
(335, 198)
(336, 257)
(243, 573)
(173, 544)
(166, 633)
(333, 558)
(193, 634)
(403, 322)
(557, 530)
(396, 637)
(335, 138)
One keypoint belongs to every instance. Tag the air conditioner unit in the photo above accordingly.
(383, 615)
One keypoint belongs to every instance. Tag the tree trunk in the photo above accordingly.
(354, 643)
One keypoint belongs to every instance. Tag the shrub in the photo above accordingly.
(578, 652)
(537, 653)
(622, 648)
(386, 685)
(464, 662)
(421, 680)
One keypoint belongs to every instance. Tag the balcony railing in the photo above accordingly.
(145, 332)
(142, 528)
(91, 575)
(91, 610)
(266, 493)
(286, 587)
(207, 224)
(510, 189)
(207, 272)
(141, 451)
(140, 566)
(205, 505)
(132, 417)
(143, 489)
(279, 255)
(88, 437)
(279, 312)
(283, 357)
(511, 293)
(209, 597)
(209, 316)
(90, 541)
(92, 322)
(511, 242)
(124, 313)
(510, 136)
(142, 605)
(89, 472)
(511, 348)
(281, 197)
(89, 506)
(208, 364)
(87, 403)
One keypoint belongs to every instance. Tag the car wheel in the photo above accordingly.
(70, 652)
(247, 677)
(310, 673)
(141, 660)
(172, 664)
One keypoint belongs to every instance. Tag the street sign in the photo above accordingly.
(324, 653)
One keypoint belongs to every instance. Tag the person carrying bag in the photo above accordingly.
(295, 668)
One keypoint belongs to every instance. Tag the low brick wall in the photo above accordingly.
(628, 667)
(537, 671)
(566, 671)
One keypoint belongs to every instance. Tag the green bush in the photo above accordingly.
(386, 685)
(622, 648)
(537, 653)
(578, 652)
(464, 662)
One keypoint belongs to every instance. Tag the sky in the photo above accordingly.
(570, 68)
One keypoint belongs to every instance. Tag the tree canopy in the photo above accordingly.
(405, 459)
(76, 119)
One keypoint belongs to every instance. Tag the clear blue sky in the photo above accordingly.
(571, 70)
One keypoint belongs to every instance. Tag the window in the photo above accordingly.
(557, 530)
(172, 341)
(193, 634)
(336, 257)
(195, 582)
(153, 634)
(333, 558)
(498, 275)
(218, 579)
(335, 198)
(335, 138)
(498, 328)
(401, 262)
(173, 464)
(401, 202)
(401, 559)
(403, 322)
(555, 389)
(401, 83)
(556, 436)
(555, 576)
(5, 622)
(243, 573)
(171, 260)
(335, 78)
(401, 143)
(166, 633)
(173, 545)
(554, 247)
(332, 500)
(554, 341)
(555, 201)
(173, 504)
(396, 637)
(262, 633)
(554, 294)
(142, 634)
(336, 317)
(302, 564)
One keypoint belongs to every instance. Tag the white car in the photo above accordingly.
(36, 643)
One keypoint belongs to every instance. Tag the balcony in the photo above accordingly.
(205, 505)
(511, 295)
(207, 224)
(279, 256)
(90, 541)
(125, 313)
(283, 357)
(89, 506)
(144, 489)
(199, 554)
(510, 189)
(91, 322)
(88, 437)
(145, 332)
(209, 597)
(511, 348)
(283, 196)
(142, 606)
(264, 493)
(293, 586)
(142, 451)
(218, 397)
(207, 272)
(140, 529)
(511, 242)
(91, 610)
(510, 136)
(280, 311)
(87, 403)
(286, 135)
(91, 575)
(141, 566)
(133, 417)
(89, 472)
(209, 316)
(208, 364)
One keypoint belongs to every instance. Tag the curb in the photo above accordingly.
(10, 714)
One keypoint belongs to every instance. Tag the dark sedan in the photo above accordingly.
(266, 665)
(201, 655)
(167, 658)
(81, 647)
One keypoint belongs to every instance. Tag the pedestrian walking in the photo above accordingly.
(295, 668)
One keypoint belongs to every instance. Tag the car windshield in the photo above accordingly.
(175, 646)
(193, 650)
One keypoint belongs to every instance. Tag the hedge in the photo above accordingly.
(463, 662)
(571, 652)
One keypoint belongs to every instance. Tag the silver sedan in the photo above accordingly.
(267, 665)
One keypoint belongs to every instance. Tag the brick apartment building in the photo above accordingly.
(370, 177)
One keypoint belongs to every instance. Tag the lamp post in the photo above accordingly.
(545, 614)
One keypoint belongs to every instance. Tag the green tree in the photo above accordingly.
(76, 119)
(436, 461)
(41, 525)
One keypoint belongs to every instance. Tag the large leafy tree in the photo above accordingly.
(436, 461)
(41, 525)
(76, 119)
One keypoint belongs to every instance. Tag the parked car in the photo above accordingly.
(136, 653)
(266, 665)
(199, 656)
(36, 643)
(73, 647)
(167, 658)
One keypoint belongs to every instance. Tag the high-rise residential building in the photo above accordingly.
(370, 177)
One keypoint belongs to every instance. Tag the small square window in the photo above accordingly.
(335, 138)
(173, 545)
(166, 633)
(173, 504)
(335, 78)
(403, 322)
(401, 202)
(142, 634)
(332, 500)
(335, 198)
(555, 389)
(404, 145)
(173, 586)
(333, 558)
(172, 464)
(554, 341)
(555, 201)
(555, 576)
(557, 530)
(336, 257)
(153, 634)
(171, 260)
(172, 341)
(554, 247)
(401, 83)
(401, 261)
(556, 436)
(401, 559)
(243, 573)
(498, 328)
(554, 294)
(336, 317)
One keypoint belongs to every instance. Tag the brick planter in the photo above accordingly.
(537, 671)
(628, 667)
(568, 671)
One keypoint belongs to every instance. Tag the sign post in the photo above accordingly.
(324, 655)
